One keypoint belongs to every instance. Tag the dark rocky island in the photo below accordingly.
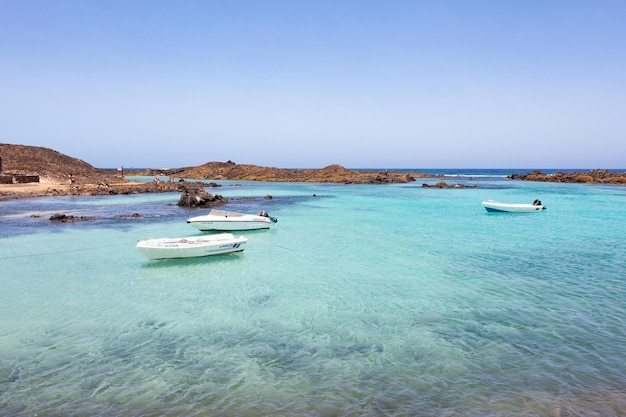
(595, 176)
(443, 184)
(332, 173)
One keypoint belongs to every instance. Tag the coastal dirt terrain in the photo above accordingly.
(54, 170)
(332, 173)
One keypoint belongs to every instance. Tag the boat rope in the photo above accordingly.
(110, 246)
(271, 244)
(151, 230)
(56, 252)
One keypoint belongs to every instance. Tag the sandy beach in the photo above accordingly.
(47, 187)
(30, 189)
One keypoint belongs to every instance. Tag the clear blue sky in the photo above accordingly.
(305, 84)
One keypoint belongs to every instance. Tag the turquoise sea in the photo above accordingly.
(364, 300)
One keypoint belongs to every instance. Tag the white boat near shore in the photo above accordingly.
(191, 247)
(498, 207)
(231, 221)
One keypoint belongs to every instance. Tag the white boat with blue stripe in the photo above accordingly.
(191, 247)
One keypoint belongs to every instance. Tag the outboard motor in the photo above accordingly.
(266, 214)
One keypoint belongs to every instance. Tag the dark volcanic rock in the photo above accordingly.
(443, 184)
(595, 176)
(198, 197)
(63, 218)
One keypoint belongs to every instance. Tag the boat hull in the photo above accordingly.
(497, 207)
(191, 247)
(220, 225)
(218, 220)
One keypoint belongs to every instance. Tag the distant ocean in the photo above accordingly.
(365, 300)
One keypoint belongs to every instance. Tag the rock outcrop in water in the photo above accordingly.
(64, 218)
(443, 184)
(198, 197)
(595, 176)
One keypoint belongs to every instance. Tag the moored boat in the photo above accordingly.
(497, 207)
(230, 221)
(191, 247)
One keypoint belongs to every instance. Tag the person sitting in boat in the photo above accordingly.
(537, 202)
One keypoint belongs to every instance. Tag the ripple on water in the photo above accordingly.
(435, 310)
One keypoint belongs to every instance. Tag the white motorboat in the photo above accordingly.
(191, 247)
(497, 207)
(230, 221)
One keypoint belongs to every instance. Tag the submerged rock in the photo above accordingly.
(63, 218)
(443, 184)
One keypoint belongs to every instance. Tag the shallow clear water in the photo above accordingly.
(387, 300)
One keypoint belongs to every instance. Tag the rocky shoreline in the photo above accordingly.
(52, 170)
(595, 176)
(51, 173)
(94, 187)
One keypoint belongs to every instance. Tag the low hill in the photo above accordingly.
(332, 173)
(49, 164)
(53, 166)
